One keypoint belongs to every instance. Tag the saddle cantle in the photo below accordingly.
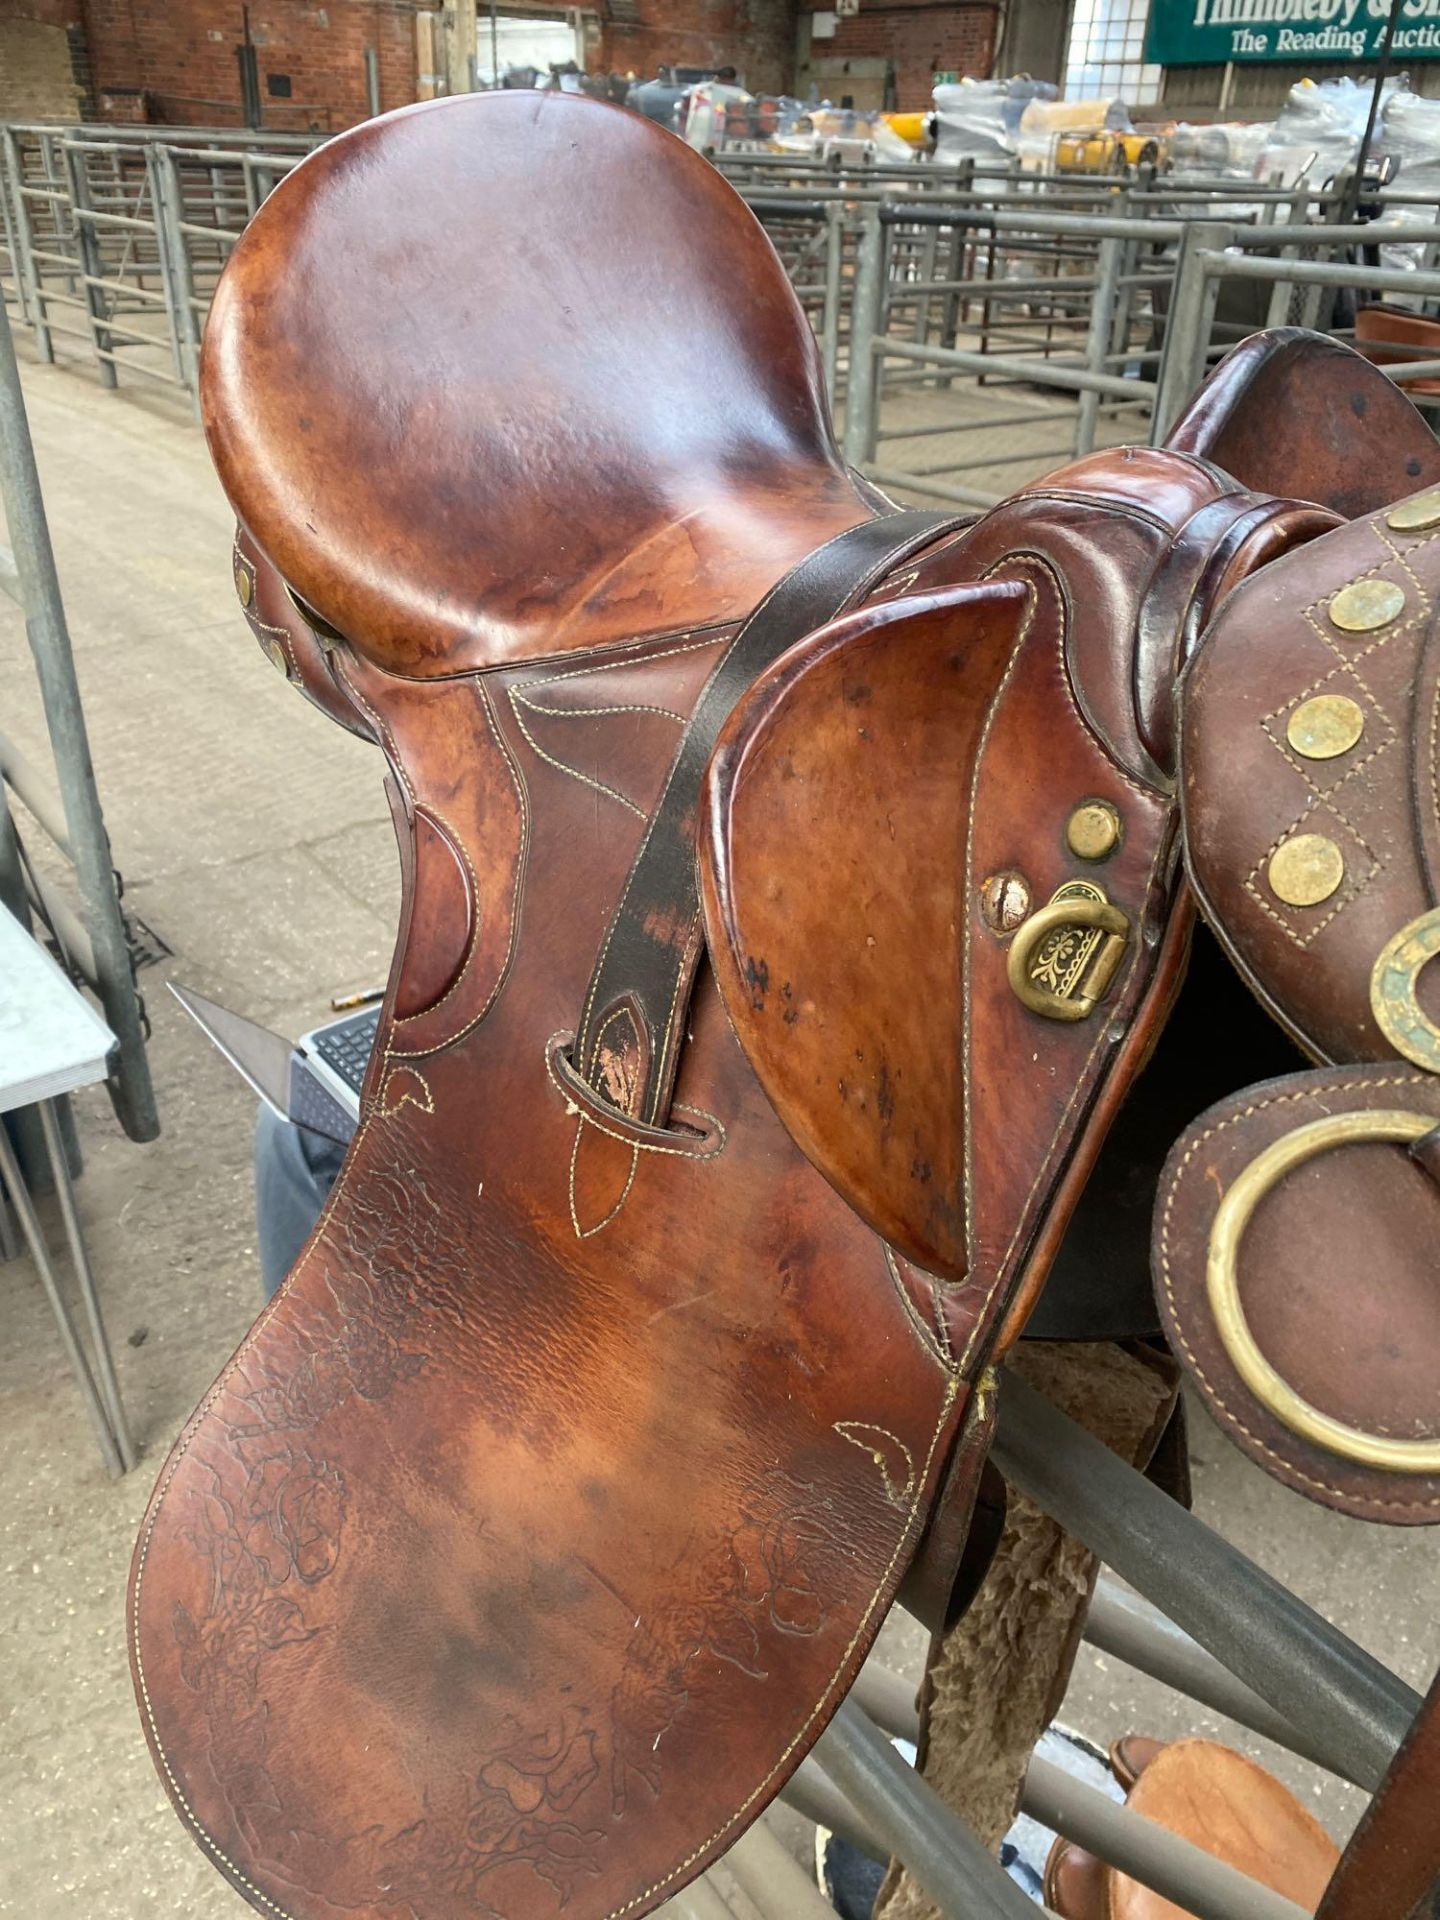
(532, 1534)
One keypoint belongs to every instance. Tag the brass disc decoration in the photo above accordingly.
(244, 585)
(275, 654)
(1093, 830)
(1328, 725)
(1413, 516)
(1222, 1287)
(1305, 870)
(1365, 605)
(1393, 1000)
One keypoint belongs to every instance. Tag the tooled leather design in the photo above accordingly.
(448, 1293)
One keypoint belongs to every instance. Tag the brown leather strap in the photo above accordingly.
(627, 1044)
(1391, 1868)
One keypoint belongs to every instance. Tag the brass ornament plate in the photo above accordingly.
(1305, 870)
(1093, 830)
(1064, 958)
(1366, 605)
(1393, 1000)
(1413, 516)
(1326, 726)
(1222, 1287)
(244, 585)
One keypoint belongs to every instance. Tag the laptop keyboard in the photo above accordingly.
(345, 1047)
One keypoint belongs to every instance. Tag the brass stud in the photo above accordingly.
(275, 654)
(1093, 830)
(1413, 516)
(244, 585)
(1004, 901)
(1328, 725)
(1306, 870)
(1367, 604)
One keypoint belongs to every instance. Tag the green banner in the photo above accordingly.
(1188, 33)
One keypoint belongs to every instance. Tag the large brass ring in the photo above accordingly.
(1393, 1000)
(1223, 1287)
(1106, 929)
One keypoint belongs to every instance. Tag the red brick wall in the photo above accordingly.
(43, 75)
(174, 61)
(757, 37)
(922, 37)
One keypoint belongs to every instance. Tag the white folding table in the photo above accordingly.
(52, 1041)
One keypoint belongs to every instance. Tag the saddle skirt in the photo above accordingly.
(529, 1539)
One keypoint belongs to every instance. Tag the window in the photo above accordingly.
(1105, 56)
(523, 40)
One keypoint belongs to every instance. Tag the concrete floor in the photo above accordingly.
(254, 840)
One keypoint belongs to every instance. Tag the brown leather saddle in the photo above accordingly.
(528, 1541)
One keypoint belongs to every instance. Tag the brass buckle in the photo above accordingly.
(1063, 958)
(1222, 1287)
(1393, 1000)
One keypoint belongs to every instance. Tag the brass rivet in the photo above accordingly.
(1093, 830)
(244, 586)
(275, 654)
(1004, 901)
(1306, 870)
(1328, 725)
(1367, 604)
(1412, 516)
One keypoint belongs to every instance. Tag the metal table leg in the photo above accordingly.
(104, 1365)
(39, 1253)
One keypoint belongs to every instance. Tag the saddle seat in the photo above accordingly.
(580, 406)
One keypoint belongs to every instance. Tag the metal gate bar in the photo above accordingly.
(1352, 1709)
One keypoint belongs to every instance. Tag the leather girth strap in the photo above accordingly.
(626, 1047)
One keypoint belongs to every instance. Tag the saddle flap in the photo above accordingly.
(837, 805)
(936, 952)
(464, 443)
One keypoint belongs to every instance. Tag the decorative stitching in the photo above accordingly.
(912, 1313)
(589, 713)
(427, 1105)
(1345, 895)
(966, 970)
(855, 1431)
(457, 841)
(937, 1301)
(1219, 1403)
(563, 766)
(522, 861)
(587, 1233)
